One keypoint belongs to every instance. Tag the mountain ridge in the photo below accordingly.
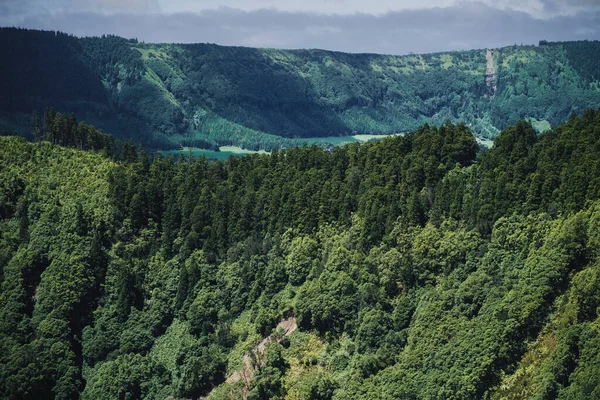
(207, 95)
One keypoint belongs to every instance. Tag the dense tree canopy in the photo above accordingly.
(413, 267)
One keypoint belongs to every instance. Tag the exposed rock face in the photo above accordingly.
(490, 73)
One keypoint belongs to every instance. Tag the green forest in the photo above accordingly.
(203, 95)
(415, 267)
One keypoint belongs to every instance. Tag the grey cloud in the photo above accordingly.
(465, 26)
(15, 11)
(570, 7)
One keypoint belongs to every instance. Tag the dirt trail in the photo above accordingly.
(490, 73)
(246, 373)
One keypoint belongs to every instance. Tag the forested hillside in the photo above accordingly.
(203, 95)
(413, 267)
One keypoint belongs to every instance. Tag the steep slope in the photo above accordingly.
(204, 94)
(412, 268)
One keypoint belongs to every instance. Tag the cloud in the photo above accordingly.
(537, 8)
(570, 7)
(464, 26)
(12, 12)
(17, 10)
(339, 7)
(546, 9)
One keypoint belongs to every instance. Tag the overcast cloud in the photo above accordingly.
(376, 26)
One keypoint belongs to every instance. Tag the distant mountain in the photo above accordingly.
(201, 94)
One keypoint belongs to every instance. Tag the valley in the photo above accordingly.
(169, 96)
(196, 221)
(227, 151)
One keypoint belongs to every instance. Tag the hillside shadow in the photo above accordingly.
(244, 86)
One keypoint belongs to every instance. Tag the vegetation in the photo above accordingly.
(202, 95)
(413, 267)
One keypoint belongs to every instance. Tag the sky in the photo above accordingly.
(358, 26)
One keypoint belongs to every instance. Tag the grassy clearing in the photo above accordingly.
(485, 142)
(222, 155)
(239, 150)
(366, 138)
(540, 126)
(342, 140)
(228, 151)
(302, 355)
(243, 328)
(332, 140)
